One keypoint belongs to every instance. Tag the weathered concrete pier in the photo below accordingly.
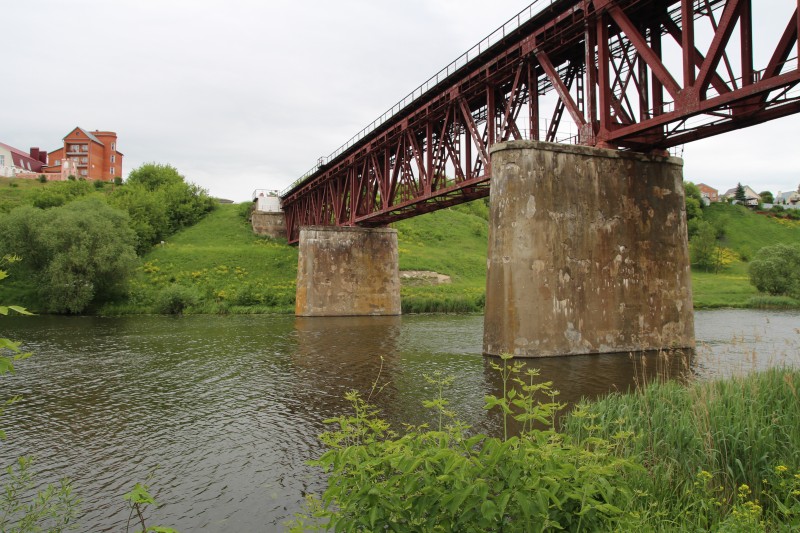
(587, 252)
(347, 271)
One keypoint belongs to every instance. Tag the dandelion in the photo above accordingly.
(780, 469)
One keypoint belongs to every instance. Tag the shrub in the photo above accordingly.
(47, 199)
(42, 178)
(175, 299)
(445, 479)
(81, 253)
(98, 184)
(776, 270)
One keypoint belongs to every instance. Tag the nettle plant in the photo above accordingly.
(445, 478)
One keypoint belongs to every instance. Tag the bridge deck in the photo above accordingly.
(431, 150)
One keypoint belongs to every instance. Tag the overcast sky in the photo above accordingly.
(246, 94)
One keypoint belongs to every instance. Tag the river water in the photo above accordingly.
(226, 409)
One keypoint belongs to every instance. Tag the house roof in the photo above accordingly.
(33, 164)
(89, 135)
(16, 150)
(748, 192)
(708, 187)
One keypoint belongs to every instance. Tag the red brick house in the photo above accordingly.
(94, 155)
(706, 191)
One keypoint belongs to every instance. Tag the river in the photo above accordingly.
(226, 409)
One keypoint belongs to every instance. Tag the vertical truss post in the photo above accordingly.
(746, 29)
(657, 89)
(603, 78)
(533, 102)
(591, 77)
(687, 44)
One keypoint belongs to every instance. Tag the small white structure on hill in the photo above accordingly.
(267, 217)
(267, 201)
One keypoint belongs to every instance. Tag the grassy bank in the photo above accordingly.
(215, 266)
(713, 456)
(716, 456)
(219, 266)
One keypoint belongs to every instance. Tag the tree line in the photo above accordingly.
(79, 243)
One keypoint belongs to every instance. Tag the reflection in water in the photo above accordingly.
(230, 407)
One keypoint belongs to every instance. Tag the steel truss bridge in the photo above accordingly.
(642, 75)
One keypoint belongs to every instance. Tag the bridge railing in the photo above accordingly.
(493, 38)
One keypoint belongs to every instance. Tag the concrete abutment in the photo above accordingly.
(347, 271)
(588, 252)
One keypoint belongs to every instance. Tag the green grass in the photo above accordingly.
(746, 232)
(702, 443)
(729, 288)
(452, 242)
(222, 266)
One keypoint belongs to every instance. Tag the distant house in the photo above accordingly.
(752, 198)
(709, 194)
(14, 161)
(788, 198)
(93, 154)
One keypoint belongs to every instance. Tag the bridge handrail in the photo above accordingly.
(482, 46)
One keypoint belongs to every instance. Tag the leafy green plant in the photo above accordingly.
(776, 270)
(447, 479)
(139, 499)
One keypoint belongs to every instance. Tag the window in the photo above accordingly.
(113, 146)
(111, 171)
(2, 160)
(113, 158)
(58, 162)
(83, 172)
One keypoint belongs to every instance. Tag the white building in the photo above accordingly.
(267, 201)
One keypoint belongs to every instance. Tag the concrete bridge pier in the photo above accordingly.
(588, 252)
(347, 271)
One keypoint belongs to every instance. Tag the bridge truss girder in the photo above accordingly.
(633, 95)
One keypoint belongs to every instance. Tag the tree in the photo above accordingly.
(740, 196)
(160, 202)
(704, 250)
(81, 253)
(766, 197)
(776, 270)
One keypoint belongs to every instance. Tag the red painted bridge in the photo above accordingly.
(639, 75)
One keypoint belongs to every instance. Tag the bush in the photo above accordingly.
(776, 270)
(175, 299)
(160, 203)
(99, 184)
(47, 199)
(42, 178)
(80, 253)
(445, 479)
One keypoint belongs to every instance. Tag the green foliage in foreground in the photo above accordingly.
(707, 457)
(445, 479)
(720, 456)
(23, 507)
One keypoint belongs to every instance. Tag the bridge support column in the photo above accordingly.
(587, 252)
(347, 272)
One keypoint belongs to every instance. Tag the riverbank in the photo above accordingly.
(218, 266)
(708, 456)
